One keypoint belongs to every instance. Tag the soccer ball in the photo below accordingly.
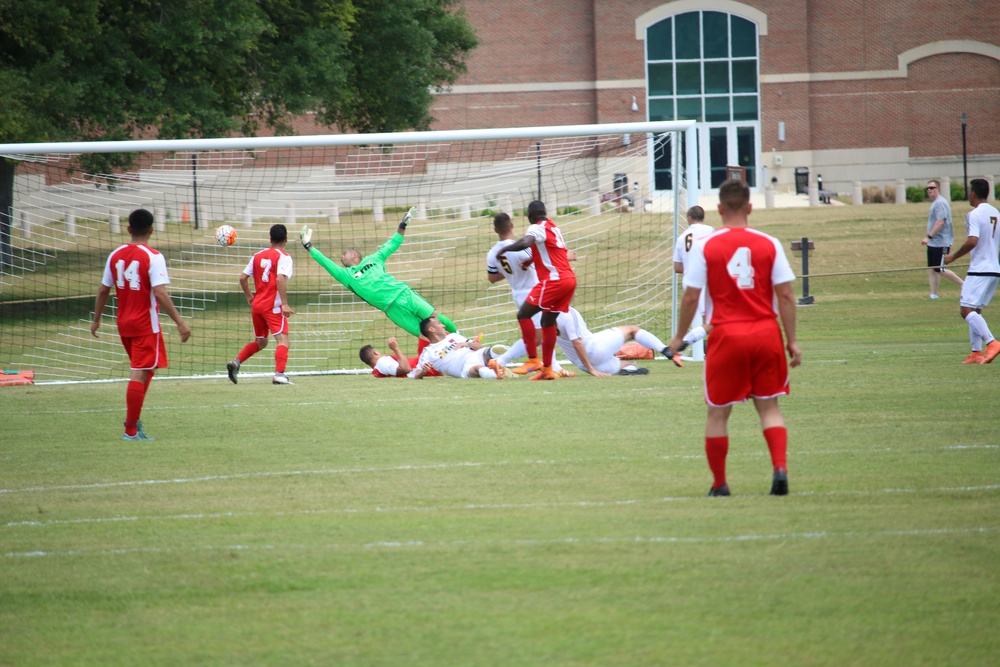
(225, 235)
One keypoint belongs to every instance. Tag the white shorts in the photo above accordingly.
(978, 290)
(477, 358)
(601, 348)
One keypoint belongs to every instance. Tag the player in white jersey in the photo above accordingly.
(595, 353)
(696, 231)
(983, 246)
(455, 355)
(517, 269)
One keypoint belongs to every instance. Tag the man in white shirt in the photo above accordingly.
(595, 353)
(696, 231)
(983, 276)
(455, 355)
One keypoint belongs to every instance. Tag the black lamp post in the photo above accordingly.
(965, 164)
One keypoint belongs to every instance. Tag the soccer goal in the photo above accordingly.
(606, 187)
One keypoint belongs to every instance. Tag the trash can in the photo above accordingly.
(802, 180)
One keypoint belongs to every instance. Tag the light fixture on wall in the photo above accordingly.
(781, 130)
(635, 104)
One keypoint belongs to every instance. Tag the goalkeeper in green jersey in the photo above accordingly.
(367, 277)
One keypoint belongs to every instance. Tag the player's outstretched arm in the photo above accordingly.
(406, 220)
(305, 236)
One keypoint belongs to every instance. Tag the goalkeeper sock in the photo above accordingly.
(777, 444)
(280, 358)
(449, 326)
(978, 325)
(248, 351)
(647, 339)
(695, 335)
(528, 336)
(716, 449)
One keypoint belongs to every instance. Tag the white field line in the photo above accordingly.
(378, 509)
(492, 543)
(443, 466)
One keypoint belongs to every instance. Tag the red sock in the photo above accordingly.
(777, 443)
(135, 394)
(716, 449)
(280, 358)
(421, 344)
(248, 351)
(528, 336)
(548, 344)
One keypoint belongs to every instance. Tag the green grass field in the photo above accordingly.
(349, 521)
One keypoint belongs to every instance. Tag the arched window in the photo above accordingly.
(703, 65)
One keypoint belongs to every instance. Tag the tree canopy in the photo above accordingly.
(115, 69)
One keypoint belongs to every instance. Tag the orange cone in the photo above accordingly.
(184, 214)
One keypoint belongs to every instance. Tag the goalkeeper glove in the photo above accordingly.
(675, 355)
(306, 237)
(406, 218)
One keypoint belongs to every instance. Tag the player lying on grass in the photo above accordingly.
(451, 353)
(367, 277)
(595, 353)
(396, 365)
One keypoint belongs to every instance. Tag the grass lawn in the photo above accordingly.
(349, 521)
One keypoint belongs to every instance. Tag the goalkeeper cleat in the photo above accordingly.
(991, 351)
(281, 378)
(632, 369)
(530, 366)
(674, 356)
(497, 368)
(233, 368)
(305, 236)
(546, 374)
(720, 490)
(975, 357)
(779, 486)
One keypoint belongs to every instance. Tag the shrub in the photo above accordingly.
(916, 194)
(569, 210)
(957, 191)
(872, 194)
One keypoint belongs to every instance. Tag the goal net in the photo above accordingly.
(615, 191)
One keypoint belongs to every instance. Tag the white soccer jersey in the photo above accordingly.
(694, 233)
(509, 266)
(601, 347)
(447, 358)
(984, 222)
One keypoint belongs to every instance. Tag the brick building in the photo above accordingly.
(868, 90)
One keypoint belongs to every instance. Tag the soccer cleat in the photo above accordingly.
(530, 366)
(280, 378)
(991, 352)
(563, 373)
(779, 486)
(497, 351)
(721, 490)
(139, 435)
(138, 428)
(933, 296)
(975, 357)
(674, 356)
(233, 368)
(546, 374)
(633, 370)
(497, 368)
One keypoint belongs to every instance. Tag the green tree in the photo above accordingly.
(116, 69)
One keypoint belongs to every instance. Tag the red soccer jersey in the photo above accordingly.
(549, 251)
(265, 267)
(134, 270)
(739, 266)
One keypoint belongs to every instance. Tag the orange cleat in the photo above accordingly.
(497, 368)
(530, 366)
(991, 351)
(563, 373)
(546, 374)
(975, 357)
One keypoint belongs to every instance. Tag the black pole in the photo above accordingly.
(806, 298)
(538, 157)
(194, 175)
(965, 164)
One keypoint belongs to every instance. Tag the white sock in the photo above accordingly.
(487, 373)
(647, 339)
(977, 342)
(978, 327)
(695, 335)
(516, 351)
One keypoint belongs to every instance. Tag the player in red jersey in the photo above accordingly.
(269, 310)
(551, 296)
(748, 282)
(139, 275)
(396, 365)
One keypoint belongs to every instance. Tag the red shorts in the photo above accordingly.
(267, 323)
(553, 296)
(745, 361)
(145, 353)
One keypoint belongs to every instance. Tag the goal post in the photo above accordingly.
(617, 192)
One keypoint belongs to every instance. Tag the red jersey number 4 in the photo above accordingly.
(740, 268)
